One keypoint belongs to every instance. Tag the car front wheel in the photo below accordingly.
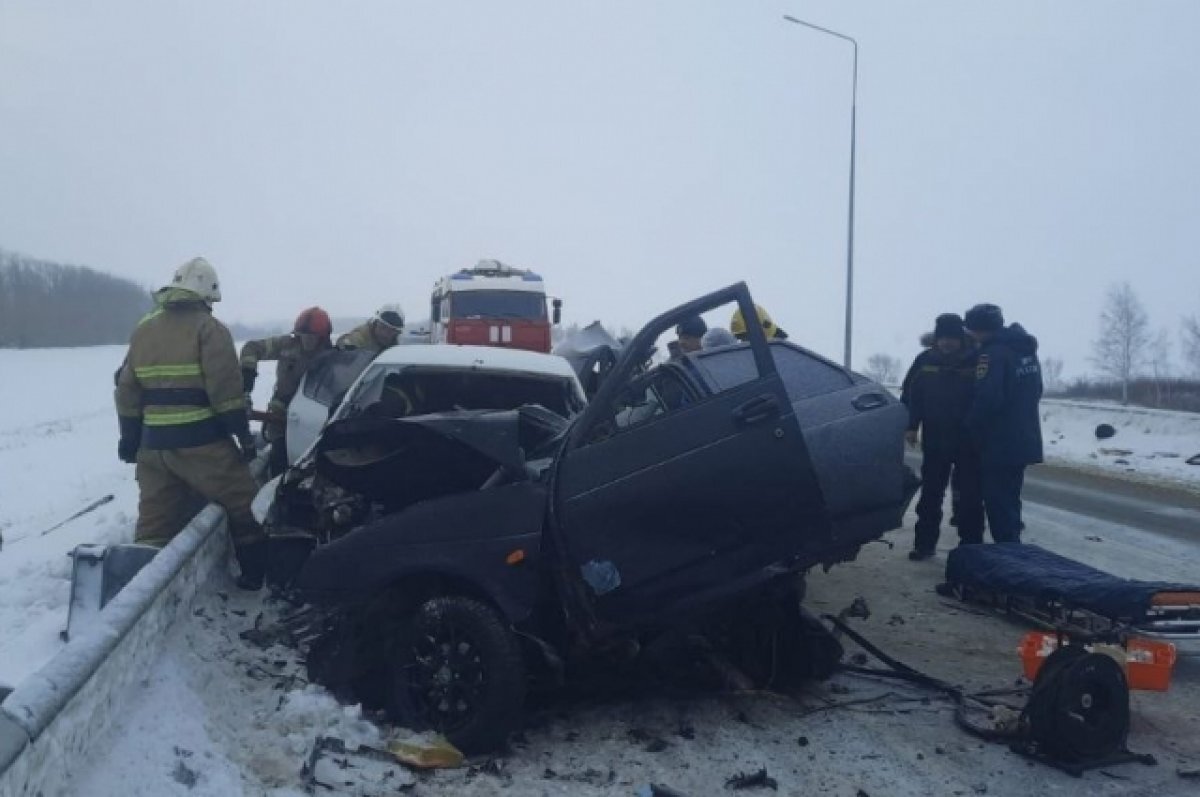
(458, 669)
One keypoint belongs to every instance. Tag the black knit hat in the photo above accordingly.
(948, 325)
(984, 318)
(693, 327)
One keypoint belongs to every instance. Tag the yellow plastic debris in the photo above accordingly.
(434, 753)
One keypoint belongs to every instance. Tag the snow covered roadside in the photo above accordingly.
(73, 701)
(58, 453)
(219, 717)
(1149, 445)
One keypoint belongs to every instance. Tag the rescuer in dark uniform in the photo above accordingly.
(1004, 415)
(938, 392)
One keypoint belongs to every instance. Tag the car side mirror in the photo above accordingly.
(557, 316)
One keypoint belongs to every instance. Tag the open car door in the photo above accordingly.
(669, 496)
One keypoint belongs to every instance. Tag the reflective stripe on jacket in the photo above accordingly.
(181, 378)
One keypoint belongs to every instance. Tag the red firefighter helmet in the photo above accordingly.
(313, 321)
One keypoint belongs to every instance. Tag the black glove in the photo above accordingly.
(131, 439)
(248, 377)
(127, 450)
(249, 450)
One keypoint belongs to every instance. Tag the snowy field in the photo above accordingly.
(58, 454)
(1149, 445)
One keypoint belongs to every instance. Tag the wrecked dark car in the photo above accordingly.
(504, 548)
(303, 507)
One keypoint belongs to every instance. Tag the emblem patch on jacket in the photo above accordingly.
(981, 367)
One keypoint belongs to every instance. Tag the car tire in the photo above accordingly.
(458, 669)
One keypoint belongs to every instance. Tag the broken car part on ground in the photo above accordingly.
(458, 559)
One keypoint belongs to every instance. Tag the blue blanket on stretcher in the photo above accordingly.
(1033, 572)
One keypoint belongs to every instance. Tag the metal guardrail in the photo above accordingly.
(53, 718)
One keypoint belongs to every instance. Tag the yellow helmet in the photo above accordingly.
(737, 324)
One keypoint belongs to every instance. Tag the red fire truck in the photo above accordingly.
(493, 304)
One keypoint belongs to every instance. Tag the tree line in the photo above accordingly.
(47, 304)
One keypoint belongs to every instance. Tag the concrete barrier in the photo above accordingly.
(51, 720)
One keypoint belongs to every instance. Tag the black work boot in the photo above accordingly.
(252, 559)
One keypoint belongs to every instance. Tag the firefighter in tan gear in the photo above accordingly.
(180, 404)
(294, 353)
(381, 332)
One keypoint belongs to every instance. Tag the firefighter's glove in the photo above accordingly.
(249, 451)
(127, 450)
(248, 377)
(912, 438)
(131, 439)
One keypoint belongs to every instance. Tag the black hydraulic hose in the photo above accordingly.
(901, 671)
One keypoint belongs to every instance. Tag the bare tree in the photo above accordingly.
(883, 368)
(1191, 343)
(1159, 359)
(1124, 336)
(1052, 368)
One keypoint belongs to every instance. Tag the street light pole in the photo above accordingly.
(853, 142)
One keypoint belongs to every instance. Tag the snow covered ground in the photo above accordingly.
(217, 717)
(58, 454)
(1149, 445)
(58, 437)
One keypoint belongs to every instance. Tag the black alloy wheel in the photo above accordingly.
(460, 672)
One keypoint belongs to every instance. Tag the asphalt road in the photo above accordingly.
(1168, 511)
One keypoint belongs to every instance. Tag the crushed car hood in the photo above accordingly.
(400, 461)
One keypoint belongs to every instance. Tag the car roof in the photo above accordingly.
(490, 357)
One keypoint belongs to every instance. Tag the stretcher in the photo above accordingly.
(1060, 594)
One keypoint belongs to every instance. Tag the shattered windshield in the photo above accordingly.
(398, 392)
(498, 304)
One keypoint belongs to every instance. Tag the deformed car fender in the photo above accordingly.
(487, 541)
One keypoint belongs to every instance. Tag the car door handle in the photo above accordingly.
(756, 410)
(869, 401)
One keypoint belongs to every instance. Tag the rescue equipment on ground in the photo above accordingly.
(1056, 593)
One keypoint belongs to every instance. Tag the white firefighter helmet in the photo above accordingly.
(198, 276)
(391, 315)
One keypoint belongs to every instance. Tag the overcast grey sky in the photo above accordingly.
(636, 153)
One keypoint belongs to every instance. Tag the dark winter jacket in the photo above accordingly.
(938, 392)
(1004, 416)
